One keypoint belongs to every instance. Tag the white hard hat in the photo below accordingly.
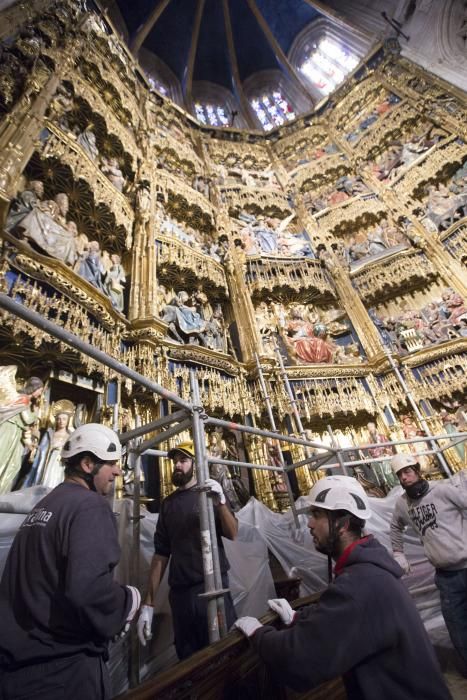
(340, 493)
(97, 439)
(401, 461)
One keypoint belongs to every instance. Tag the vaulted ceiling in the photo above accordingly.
(168, 28)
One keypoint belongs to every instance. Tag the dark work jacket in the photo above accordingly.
(57, 594)
(366, 629)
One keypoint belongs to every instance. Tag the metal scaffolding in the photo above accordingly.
(191, 416)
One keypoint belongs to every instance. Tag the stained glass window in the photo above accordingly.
(157, 85)
(211, 114)
(328, 64)
(272, 110)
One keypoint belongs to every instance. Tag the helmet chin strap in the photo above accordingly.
(88, 477)
(331, 543)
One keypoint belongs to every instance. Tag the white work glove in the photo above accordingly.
(135, 603)
(247, 625)
(144, 623)
(216, 491)
(402, 561)
(283, 609)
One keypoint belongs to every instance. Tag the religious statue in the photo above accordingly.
(185, 323)
(410, 431)
(267, 329)
(220, 472)
(46, 226)
(114, 282)
(386, 164)
(382, 470)
(16, 415)
(111, 169)
(454, 309)
(81, 245)
(24, 203)
(87, 140)
(90, 266)
(61, 105)
(443, 206)
(214, 334)
(47, 468)
(265, 236)
(452, 424)
(278, 485)
(439, 320)
(309, 342)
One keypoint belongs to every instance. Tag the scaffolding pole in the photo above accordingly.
(154, 425)
(210, 567)
(272, 421)
(135, 464)
(73, 341)
(191, 414)
(238, 427)
(290, 394)
(339, 456)
(413, 403)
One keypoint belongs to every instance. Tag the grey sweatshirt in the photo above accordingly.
(439, 518)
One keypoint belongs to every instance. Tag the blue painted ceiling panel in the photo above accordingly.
(170, 38)
(286, 19)
(212, 58)
(253, 50)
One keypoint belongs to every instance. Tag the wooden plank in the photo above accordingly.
(231, 670)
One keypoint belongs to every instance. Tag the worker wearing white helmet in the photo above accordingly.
(437, 512)
(365, 626)
(59, 603)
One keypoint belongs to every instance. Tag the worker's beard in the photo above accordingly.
(180, 478)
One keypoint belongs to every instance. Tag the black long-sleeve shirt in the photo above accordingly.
(57, 594)
(178, 536)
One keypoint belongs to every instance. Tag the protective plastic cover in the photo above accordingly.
(250, 577)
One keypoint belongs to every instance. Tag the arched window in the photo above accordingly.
(272, 109)
(208, 113)
(157, 85)
(328, 64)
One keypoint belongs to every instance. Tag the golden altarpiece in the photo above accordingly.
(335, 245)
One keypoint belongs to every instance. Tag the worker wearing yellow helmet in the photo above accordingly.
(177, 538)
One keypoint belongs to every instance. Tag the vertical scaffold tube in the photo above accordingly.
(207, 536)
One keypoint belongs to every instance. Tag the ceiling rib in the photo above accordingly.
(145, 28)
(336, 17)
(282, 58)
(188, 82)
(237, 83)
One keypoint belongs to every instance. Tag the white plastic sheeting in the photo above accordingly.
(250, 577)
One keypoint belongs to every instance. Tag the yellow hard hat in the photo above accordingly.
(186, 448)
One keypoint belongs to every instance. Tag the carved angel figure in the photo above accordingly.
(16, 415)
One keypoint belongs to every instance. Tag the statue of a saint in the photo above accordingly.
(90, 266)
(16, 415)
(46, 226)
(309, 342)
(115, 282)
(185, 323)
(24, 203)
(87, 140)
(111, 169)
(47, 468)
(384, 474)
